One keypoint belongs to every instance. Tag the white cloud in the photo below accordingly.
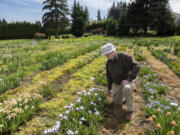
(97, 4)
(26, 2)
(175, 5)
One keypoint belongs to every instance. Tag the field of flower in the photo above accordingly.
(59, 86)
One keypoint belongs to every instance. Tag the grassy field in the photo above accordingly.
(59, 87)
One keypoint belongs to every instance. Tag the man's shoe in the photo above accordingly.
(135, 90)
(129, 115)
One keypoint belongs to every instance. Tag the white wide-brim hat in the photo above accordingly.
(108, 48)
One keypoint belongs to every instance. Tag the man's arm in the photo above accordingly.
(132, 66)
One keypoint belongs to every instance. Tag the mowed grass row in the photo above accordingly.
(14, 114)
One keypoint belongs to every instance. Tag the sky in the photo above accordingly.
(31, 10)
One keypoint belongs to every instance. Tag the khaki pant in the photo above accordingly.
(120, 92)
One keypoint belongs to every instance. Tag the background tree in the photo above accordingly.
(178, 27)
(139, 16)
(133, 15)
(55, 19)
(114, 12)
(162, 17)
(112, 26)
(79, 19)
(3, 21)
(117, 15)
(123, 27)
(87, 18)
(99, 16)
(154, 14)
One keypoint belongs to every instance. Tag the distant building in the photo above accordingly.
(98, 31)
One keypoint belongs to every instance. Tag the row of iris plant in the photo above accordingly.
(16, 59)
(14, 80)
(82, 117)
(14, 111)
(172, 63)
(162, 113)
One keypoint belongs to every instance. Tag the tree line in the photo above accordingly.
(141, 15)
(124, 18)
(17, 30)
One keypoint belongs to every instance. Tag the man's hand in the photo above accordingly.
(109, 93)
(124, 82)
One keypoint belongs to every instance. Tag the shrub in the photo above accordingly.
(177, 48)
(138, 55)
(64, 36)
(167, 50)
(47, 92)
